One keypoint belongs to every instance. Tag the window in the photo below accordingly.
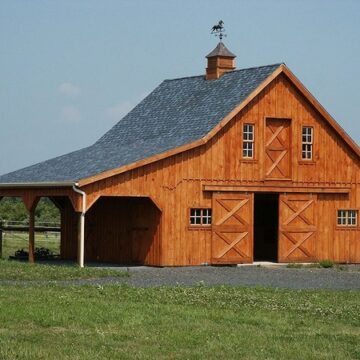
(307, 143)
(248, 141)
(200, 216)
(347, 217)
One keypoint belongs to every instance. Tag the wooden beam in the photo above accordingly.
(80, 239)
(279, 189)
(1, 240)
(31, 202)
(31, 236)
(57, 201)
(1, 234)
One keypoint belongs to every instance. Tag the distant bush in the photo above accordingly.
(13, 209)
(326, 264)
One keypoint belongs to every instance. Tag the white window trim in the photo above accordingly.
(309, 145)
(205, 216)
(345, 217)
(246, 141)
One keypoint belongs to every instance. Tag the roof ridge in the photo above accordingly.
(256, 67)
(243, 69)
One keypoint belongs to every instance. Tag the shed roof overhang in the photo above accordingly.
(29, 192)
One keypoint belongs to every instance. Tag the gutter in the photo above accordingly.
(37, 184)
(81, 241)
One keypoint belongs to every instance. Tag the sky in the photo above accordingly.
(70, 69)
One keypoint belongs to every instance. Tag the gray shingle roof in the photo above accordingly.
(221, 50)
(176, 113)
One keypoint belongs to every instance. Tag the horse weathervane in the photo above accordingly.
(219, 30)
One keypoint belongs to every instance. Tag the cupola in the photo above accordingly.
(219, 61)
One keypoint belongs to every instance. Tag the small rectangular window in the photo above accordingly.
(307, 143)
(248, 141)
(200, 217)
(347, 217)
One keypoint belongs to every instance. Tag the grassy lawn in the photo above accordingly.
(13, 241)
(17, 270)
(120, 322)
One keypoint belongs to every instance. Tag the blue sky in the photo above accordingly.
(69, 70)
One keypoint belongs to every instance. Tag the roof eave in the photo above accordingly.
(52, 184)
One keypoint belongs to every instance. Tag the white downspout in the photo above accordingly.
(82, 225)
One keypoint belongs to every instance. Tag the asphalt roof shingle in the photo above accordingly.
(176, 113)
(221, 50)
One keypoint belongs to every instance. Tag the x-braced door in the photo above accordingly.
(232, 229)
(277, 149)
(297, 231)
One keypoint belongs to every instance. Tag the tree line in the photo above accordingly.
(13, 209)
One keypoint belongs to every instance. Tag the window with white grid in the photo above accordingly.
(347, 217)
(307, 143)
(200, 217)
(248, 141)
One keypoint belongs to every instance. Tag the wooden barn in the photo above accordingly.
(232, 166)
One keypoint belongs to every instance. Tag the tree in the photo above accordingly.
(13, 209)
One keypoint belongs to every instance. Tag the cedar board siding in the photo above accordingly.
(123, 230)
(176, 183)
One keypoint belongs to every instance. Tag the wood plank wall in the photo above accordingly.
(175, 183)
(69, 230)
(123, 230)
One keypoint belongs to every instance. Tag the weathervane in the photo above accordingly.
(219, 30)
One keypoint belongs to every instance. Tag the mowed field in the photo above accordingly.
(47, 320)
(13, 241)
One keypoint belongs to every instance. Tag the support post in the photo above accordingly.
(30, 201)
(1, 234)
(80, 240)
(32, 235)
(1, 239)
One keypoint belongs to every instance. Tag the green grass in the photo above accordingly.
(119, 322)
(19, 271)
(13, 241)
(295, 266)
(326, 264)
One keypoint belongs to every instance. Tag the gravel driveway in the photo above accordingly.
(280, 277)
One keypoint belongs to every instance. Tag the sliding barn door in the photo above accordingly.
(277, 149)
(297, 228)
(232, 229)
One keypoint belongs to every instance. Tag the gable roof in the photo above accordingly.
(178, 112)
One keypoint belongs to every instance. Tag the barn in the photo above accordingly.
(232, 166)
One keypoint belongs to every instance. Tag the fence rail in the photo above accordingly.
(10, 226)
(26, 228)
(25, 223)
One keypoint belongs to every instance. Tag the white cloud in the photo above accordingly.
(69, 89)
(117, 111)
(71, 114)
